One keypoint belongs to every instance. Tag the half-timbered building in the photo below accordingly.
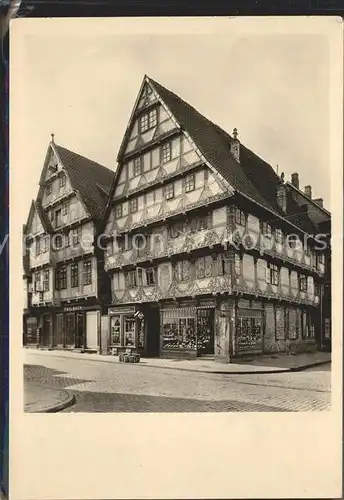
(209, 253)
(64, 276)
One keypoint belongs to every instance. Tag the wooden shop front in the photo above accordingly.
(187, 330)
(77, 327)
(126, 329)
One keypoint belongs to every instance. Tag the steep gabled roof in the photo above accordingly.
(90, 179)
(252, 177)
(37, 207)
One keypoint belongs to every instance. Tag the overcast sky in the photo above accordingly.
(273, 88)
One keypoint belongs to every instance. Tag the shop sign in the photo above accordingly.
(73, 308)
(121, 310)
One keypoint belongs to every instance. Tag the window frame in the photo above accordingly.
(74, 276)
(38, 281)
(76, 235)
(49, 188)
(62, 180)
(46, 280)
(65, 208)
(58, 242)
(239, 216)
(166, 158)
(137, 162)
(150, 271)
(132, 279)
(119, 211)
(169, 191)
(148, 120)
(272, 276)
(38, 246)
(61, 278)
(303, 283)
(136, 207)
(87, 272)
(190, 183)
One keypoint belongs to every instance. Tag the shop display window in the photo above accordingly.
(129, 332)
(179, 333)
(115, 330)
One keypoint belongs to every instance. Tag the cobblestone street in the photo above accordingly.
(114, 387)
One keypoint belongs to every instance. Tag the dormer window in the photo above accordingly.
(63, 180)
(148, 120)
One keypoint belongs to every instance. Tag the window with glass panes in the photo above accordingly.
(38, 246)
(137, 166)
(46, 275)
(223, 262)
(58, 241)
(76, 235)
(74, 275)
(166, 152)
(272, 274)
(118, 211)
(131, 278)
(303, 283)
(37, 281)
(87, 272)
(63, 180)
(133, 205)
(150, 276)
(169, 191)
(148, 120)
(65, 208)
(61, 278)
(189, 183)
(317, 289)
(240, 217)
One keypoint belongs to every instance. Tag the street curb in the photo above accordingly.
(214, 372)
(311, 365)
(58, 406)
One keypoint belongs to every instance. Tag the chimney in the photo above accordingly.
(281, 194)
(295, 180)
(308, 191)
(235, 146)
(320, 202)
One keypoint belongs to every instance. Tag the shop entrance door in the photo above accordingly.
(80, 331)
(59, 330)
(70, 330)
(205, 332)
(47, 329)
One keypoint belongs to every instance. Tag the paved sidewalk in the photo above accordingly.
(273, 363)
(40, 399)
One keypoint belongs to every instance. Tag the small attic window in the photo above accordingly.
(63, 180)
(48, 188)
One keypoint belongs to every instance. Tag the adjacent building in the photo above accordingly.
(314, 207)
(209, 251)
(64, 279)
